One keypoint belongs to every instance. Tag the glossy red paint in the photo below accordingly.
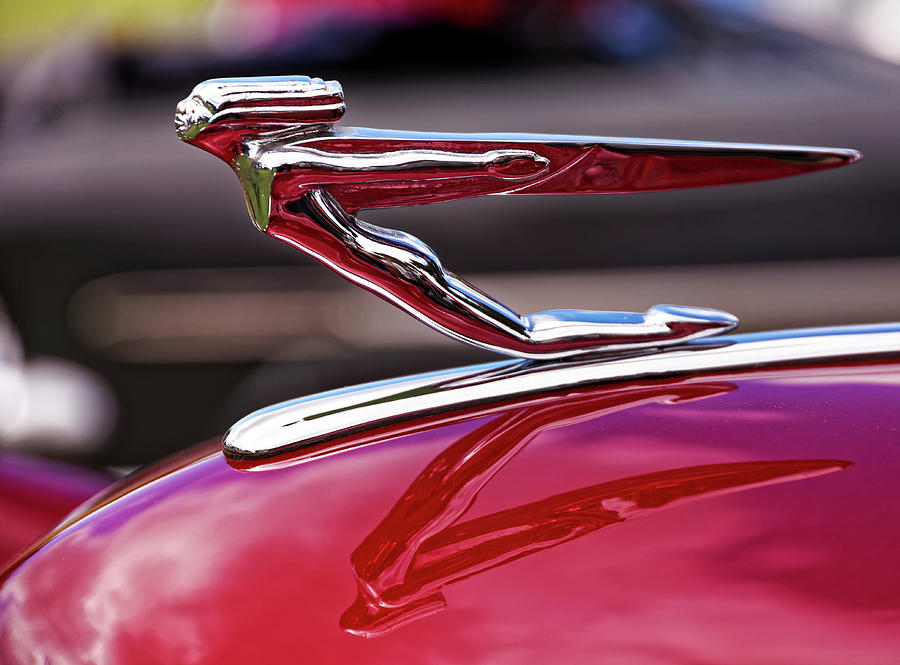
(742, 518)
(35, 495)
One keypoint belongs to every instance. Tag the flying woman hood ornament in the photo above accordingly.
(304, 179)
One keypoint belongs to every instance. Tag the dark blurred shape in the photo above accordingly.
(625, 29)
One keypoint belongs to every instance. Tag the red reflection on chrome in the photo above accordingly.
(304, 179)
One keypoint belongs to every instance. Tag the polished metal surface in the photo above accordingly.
(301, 423)
(304, 178)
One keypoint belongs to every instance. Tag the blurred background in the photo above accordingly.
(144, 313)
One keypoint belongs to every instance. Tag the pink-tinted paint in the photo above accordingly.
(35, 495)
(741, 518)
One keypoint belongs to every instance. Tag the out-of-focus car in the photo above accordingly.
(632, 488)
(180, 310)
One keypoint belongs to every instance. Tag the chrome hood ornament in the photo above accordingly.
(304, 179)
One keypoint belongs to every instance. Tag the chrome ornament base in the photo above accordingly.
(299, 425)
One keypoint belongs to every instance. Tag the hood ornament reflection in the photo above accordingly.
(304, 179)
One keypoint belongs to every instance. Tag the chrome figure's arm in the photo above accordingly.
(403, 164)
(304, 178)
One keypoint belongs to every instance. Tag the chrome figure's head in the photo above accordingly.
(258, 104)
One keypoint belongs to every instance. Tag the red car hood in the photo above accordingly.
(741, 517)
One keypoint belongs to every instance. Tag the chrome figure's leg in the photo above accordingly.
(406, 272)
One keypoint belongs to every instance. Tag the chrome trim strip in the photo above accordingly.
(318, 418)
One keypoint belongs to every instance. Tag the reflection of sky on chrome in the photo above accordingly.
(791, 573)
